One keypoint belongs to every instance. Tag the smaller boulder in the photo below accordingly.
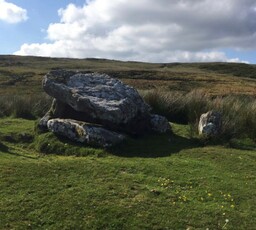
(210, 124)
(159, 124)
(84, 133)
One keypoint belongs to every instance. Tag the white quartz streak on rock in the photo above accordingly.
(210, 124)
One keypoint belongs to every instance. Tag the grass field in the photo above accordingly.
(163, 182)
(169, 181)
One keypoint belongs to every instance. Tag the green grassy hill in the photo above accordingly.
(169, 181)
(23, 75)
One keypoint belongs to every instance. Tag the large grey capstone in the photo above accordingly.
(102, 99)
(210, 124)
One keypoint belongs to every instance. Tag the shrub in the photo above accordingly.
(166, 104)
(177, 107)
(24, 106)
(238, 116)
(238, 112)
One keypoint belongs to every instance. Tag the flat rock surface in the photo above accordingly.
(84, 133)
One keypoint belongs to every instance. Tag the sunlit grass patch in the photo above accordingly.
(158, 181)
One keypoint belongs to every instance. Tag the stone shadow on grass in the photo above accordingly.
(3, 148)
(152, 146)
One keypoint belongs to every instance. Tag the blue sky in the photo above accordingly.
(40, 14)
(145, 30)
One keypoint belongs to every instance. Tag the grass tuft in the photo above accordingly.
(49, 143)
(238, 112)
(24, 106)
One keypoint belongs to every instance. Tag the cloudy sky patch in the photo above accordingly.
(12, 13)
(149, 30)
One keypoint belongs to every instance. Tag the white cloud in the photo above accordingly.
(149, 30)
(12, 13)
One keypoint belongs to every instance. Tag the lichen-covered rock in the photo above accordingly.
(93, 108)
(100, 99)
(84, 133)
(159, 124)
(210, 124)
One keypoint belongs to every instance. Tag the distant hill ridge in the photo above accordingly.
(236, 69)
(23, 74)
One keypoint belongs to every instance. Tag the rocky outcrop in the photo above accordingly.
(97, 99)
(210, 124)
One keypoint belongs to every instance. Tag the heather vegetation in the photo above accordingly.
(168, 181)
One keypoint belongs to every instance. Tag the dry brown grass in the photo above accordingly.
(172, 77)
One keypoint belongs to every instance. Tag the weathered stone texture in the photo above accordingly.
(84, 133)
(210, 124)
(98, 99)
